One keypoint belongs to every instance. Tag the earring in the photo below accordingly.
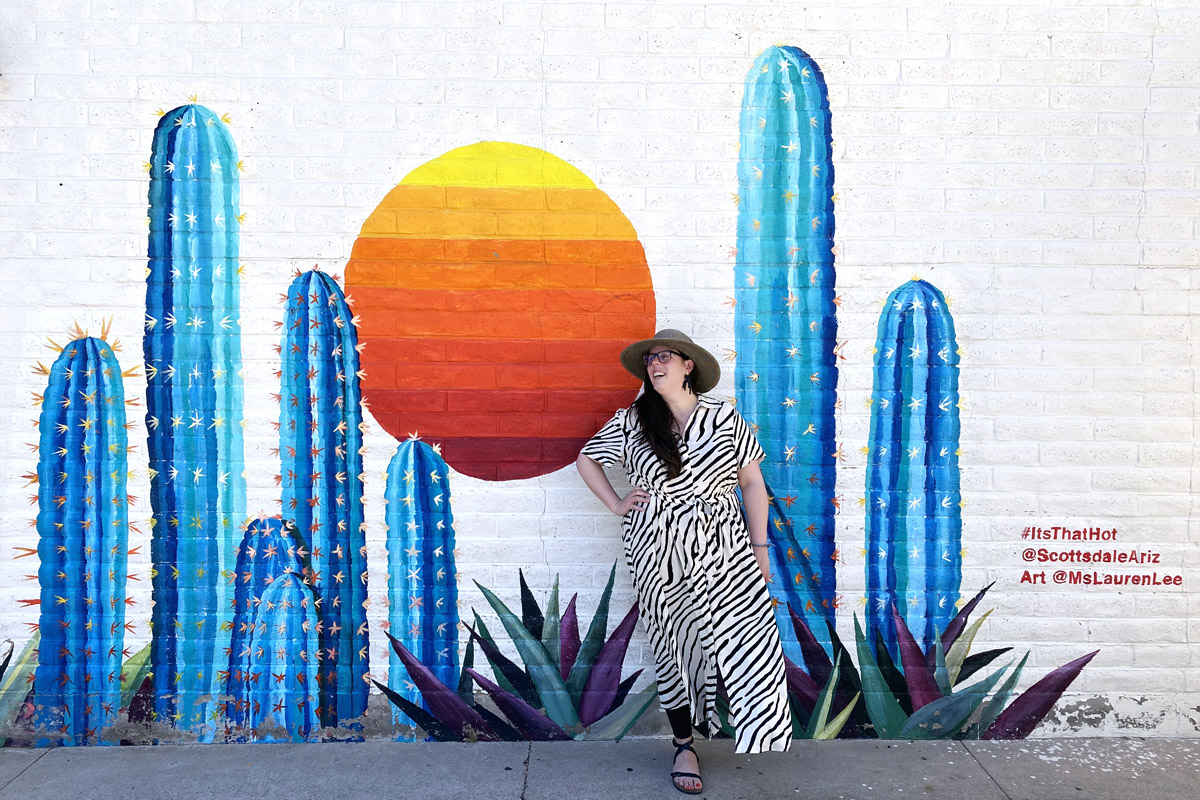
(687, 382)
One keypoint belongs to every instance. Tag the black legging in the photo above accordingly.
(681, 723)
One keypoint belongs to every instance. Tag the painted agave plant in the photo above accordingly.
(569, 688)
(927, 695)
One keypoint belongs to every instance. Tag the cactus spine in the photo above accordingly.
(785, 324)
(267, 619)
(194, 408)
(914, 517)
(422, 586)
(322, 472)
(83, 534)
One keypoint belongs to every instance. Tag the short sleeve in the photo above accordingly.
(607, 447)
(745, 446)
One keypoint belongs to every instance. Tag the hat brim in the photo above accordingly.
(705, 375)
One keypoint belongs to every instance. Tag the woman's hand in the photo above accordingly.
(638, 498)
(764, 562)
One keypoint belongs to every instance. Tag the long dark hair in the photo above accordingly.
(655, 417)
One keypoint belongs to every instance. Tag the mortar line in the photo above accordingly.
(995, 782)
(42, 751)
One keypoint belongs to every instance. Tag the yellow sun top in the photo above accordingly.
(497, 190)
(498, 165)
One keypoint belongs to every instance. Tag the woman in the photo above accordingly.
(700, 575)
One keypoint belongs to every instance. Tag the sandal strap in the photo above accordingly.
(684, 775)
(679, 748)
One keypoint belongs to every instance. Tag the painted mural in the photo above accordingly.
(491, 291)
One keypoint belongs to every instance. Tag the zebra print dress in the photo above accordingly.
(702, 595)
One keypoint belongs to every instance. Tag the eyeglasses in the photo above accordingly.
(662, 357)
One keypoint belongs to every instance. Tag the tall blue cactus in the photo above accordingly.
(320, 422)
(786, 326)
(422, 584)
(914, 514)
(265, 619)
(83, 534)
(194, 417)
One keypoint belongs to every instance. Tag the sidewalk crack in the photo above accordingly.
(991, 778)
(41, 754)
(525, 778)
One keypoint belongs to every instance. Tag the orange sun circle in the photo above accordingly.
(496, 286)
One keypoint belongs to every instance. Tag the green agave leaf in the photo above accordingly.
(882, 707)
(16, 683)
(531, 615)
(977, 661)
(550, 636)
(8, 654)
(590, 648)
(940, 673)
(992, 709)
(892, 675)
(133, 672)
(543, 671)
(465, 686)
(962, 647)
(831, 730)
(615, 724)
(721, 704)
(945, 717)
(824, 701)
(501, 681)
(800, 718)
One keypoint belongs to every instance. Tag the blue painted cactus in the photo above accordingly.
(914, 513)
(282, 692)
(786, 327)
(83, 534)
(271, 549)
(194, 416)
(422, 584)
(320, 429)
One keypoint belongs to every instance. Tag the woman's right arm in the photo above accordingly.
(593, 475)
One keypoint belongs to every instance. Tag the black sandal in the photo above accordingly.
(679, 748)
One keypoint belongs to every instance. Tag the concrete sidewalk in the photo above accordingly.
(1041, 769)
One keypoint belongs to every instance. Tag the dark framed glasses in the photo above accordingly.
(662, 357)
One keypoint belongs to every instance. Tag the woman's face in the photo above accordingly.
(668, 377)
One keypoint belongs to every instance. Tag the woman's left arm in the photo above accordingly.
(754, 498)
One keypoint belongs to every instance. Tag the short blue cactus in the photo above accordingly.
(785, 320)
(271, 549)
(83, 534)
(282, 691)
(320, 429)
(194, 413)
(422, 584)
(914, 514)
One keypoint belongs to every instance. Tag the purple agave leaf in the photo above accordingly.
(922, 686)
(956, 626)
(1022, 716)
(568, 639)
(443, 702)
(605, 676)
(533, 724)
(815, 658)
(801, 686)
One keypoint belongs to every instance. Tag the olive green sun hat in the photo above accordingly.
(706, 373)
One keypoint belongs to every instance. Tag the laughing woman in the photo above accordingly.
(699, 566)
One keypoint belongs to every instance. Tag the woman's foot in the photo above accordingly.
(686, 767)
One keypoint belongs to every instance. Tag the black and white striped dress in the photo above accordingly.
(701, 592)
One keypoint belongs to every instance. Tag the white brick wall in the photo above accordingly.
(1036, 162)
